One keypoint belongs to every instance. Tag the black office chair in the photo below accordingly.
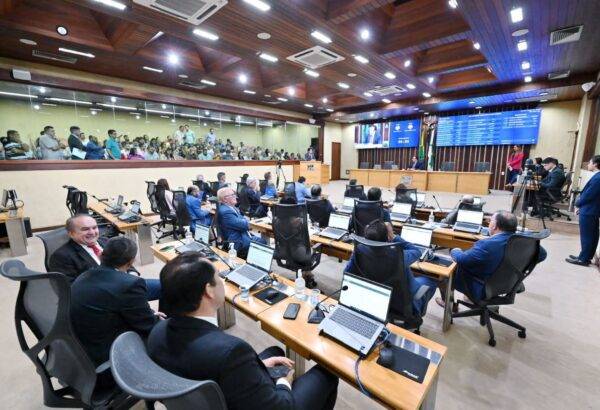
(76, 201)
(369, 256)
(364, 213)
(482, 167)
(448, 166)
(166, 217)
(214, 187)
(262, 184)
(364, 165)
(520, 257)
(43, 307)
(292, 240)
(181, 212)
(53, 240)
(549, 200)
(202, 186)
(289, 190)
(151, 194)
(138, 375)
(388, 164)
(317, 210)
(243, 203)
(355, 191)
(221, 242)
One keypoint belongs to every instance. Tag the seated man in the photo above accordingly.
(402, 194)
(421, 288)
(221, 180)
(84, 251)
(348, 191)
(190, 345)
(194, 207)
(107, 301)
(550, 187)
(482, 260)
(234, 226)
(203, 187)
(257, 209)
(418, 164)
(374, 194)
(302, 191)
(315, 193)
(271, 189)
(466, 202)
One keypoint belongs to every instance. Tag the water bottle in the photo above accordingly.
(431, 217)
(299, 286)
(232, 255)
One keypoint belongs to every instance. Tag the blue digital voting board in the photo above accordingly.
(404, 133)
(496, 128)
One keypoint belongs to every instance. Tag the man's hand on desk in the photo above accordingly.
(278, 360)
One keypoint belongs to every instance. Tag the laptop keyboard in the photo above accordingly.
(466, 225)
(250, 272)
(355, 323)
(334, 231)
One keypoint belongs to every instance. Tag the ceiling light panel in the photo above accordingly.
(206, 34)
(321, 37)
(261, 5)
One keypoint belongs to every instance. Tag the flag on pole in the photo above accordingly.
(431, 152)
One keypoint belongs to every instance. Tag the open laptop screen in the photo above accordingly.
(135, 208)
(476, 200)
(260, 256)
(366, 296)
(349, 202)
(418, 236)
(472, 217)
(339, 221)
(402, 208)
(202, 234)
(120, 200)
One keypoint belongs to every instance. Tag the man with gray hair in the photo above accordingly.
(466, 202)
(256, 210)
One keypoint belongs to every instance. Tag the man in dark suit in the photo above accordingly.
(84, 250)
(588, 209)
(416, 163)
(257, 210)
(75, 141)
(549, 187)
(189, 344)
(107, 301)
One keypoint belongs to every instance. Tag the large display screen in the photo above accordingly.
(370, 136)
(497, 128)
(405, 133)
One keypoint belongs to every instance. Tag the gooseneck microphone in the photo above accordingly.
(436, 201)
(317, 315)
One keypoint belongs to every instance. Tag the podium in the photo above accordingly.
(315, 172)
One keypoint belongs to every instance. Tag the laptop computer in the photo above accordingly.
(419, 198)
(338, 226)
(133, 213)
(258, 265)
(468, 221)
(401, 211)
(348, 205)
(115, 208)
(361, 314)
(420, 237)
(201, 242)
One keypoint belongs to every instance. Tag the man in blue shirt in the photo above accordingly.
(588, 209)
(112, 146)
(302, 191)
(270, 189)
(194, 207)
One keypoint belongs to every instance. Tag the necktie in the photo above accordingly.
(97, 250)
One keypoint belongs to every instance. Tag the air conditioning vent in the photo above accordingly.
(557, 75)
(192, 11)
(193, 84)
(565, 35)
(387, 90)
(315, 57)
(537, 98)
(54, 57)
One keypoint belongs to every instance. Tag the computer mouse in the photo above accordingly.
(386, 357)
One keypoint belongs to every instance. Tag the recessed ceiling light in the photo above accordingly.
(385, 100)
(325, 100)
(208, 82)
(407, 63)
(119, 107)
(390, 75)
(476, 45)
(329, 110)
(365, 34)
(372, 115)
(522, 45)
(361, 59)
(263, 36)
(351, 74)
(367, 94)
(66, 100)
(112, 3)
(268, 57)
(471, 102)
(527, 79)
(426, 95)
(453, 3)
(42, 90)
(164, 106)
(343, 85)
(156, 70)
(261, 5)
(478, 107)
(430, 80)
(525, 65)
(206, 34)
(321, 37)
(516, 15)
(308, 105)
(544, 100)
(519, 33)
(544, 93)
(182, 76)
(311, 73)
(28, 42)
(79, 53)
(62, 30)
(291, 91)
(282, 99)
(207, 113)
(250, 92)
(173, 59)
(113, 99)
(410, 86)
(243, 78)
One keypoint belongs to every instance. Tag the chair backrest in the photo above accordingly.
(262, 184)
(181, 211)
(318, 211)
(364, 213)
(388, 164)
(151, 194)
(448, 166)
(407, 196)
(470, 207)
(355, 191)
(292, 240)
(43, 305)
(242, 194)
(377, 166)
(520, 257)
(368, 256)
(214, 187)
(394, 166)
(52, 240)
(289, 190)
(364, 165)
(138, 375)
(482, 167)
(221, 240)
(76, 201)
(163, 207)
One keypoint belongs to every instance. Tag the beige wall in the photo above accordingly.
(44, 197)
(349, 153)
(557, 126)
(333, 133)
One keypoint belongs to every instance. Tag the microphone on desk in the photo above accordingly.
(317, 315)
(104, 201)
(436, 201)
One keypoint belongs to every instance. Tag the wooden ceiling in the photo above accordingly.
(436, 38)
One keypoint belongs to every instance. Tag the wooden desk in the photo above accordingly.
(389, 388)
(139, 232)
(379, 177)
(15, 230)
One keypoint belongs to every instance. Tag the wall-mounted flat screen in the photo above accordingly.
(370, 136)
(496, 128)
(405, 133)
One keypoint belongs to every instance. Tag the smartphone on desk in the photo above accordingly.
(291, 312)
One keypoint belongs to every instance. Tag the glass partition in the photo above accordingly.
(36, 123)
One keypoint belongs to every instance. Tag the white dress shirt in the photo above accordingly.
(90, 251)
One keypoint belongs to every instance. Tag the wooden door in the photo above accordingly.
(336, 158)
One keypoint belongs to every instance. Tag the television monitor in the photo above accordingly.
(370, 136)
(404, 133)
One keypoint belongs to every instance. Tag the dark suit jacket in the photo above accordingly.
(198, 350)
(420, 164)
(72, 260)
(75, 142)
(105, 303)
(554, 181)
(589, 200)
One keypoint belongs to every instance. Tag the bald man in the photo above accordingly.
(466, 202)
(234, 226)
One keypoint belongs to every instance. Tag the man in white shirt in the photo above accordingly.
(179, 135)
(211, 136)
(151, 153)
(50, 145)
(189, 136)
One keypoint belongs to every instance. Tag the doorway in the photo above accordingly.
(336, 158)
